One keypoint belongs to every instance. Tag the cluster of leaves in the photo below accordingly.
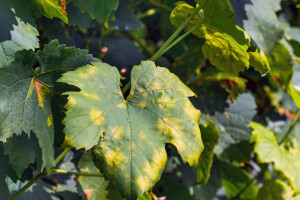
(135, 128)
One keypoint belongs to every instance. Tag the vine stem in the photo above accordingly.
(39, 176)
(169, 43)
(59, 171)
(265, 166)
(178, 30)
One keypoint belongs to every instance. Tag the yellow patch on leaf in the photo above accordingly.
(49, 121)
(142, 182)
(114, 157)
(118, 132)
(142, 135)
(91, 96)
(96, 116)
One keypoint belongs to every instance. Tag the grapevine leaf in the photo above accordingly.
(292, 35)
(132, 157)
(276, 189)
(99, 9)
(263, 25)
(50, 9)
(210, 136)
(25, 104)
(7, 19)
(232, 124)
(24, 36)
(268, 150)
(4, 191)
(26, 93)
(281, 65)
(93, 187)
(227, 45)
(235, 179)
(20, 147)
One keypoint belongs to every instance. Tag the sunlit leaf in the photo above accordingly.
(287, 161)
(227, 45)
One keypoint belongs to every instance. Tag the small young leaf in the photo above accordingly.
(131, 154)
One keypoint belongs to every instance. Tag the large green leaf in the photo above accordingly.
(99, 9)
(227, 45)
(268, 150)
(263, 25)
(24, 36)
(275, 190)
(131, 153)
(25, 104)
(94, 187)
(26, 93)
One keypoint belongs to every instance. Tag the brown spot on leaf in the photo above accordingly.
(62, 4)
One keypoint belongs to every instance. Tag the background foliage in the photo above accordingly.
(71, 129)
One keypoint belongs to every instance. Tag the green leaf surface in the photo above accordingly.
(268, 150)
(235, 179)
(131, 154)
(94, 187)
(210, 136)
(26, 93)
(232, 123)
(24, 36)
(226, 44)
(26, 104)
(19, 147)
(98, 9)
(276, 189)
(4, 191)
(263, 24)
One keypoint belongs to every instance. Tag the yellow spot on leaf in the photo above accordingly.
(118, 132)
(143, 183)
(91, 96)
(152, 171)
(96, 116)
(72, 101)
(122, 105)
(180, 145)
(49, 121)
(93, 70)
(142, 135)
(84, 75)
(114, 157)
